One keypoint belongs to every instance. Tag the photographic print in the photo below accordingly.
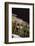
(19, 22)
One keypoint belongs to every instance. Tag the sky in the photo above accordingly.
(22, 13)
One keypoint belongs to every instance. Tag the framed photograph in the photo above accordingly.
(19, 22)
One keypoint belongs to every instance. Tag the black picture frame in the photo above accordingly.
(6, 22)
